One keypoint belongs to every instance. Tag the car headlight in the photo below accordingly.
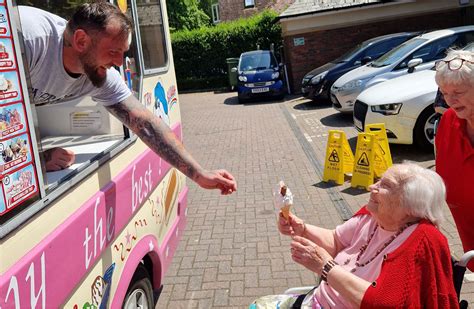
(242, 78)
(387, 109)
(352, 84)
(317, 79)
(275, 75)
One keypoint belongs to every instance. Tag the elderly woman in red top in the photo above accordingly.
(455, 140)
(389, 255)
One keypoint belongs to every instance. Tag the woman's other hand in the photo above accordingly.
(308, 254)
(294, 226)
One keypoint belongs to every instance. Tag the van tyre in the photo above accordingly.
(140, 290)
(423, 134)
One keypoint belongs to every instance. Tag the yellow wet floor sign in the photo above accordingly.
(339, 158)
(382, 155)
(363, 175)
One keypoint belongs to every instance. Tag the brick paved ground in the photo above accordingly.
(231, 252)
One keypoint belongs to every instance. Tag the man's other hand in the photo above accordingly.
(218, 179)
(58, 159)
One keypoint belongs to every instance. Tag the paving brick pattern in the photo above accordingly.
(231, 251)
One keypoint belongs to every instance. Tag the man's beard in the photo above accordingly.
(91, 70)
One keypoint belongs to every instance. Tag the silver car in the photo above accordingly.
(420, 52)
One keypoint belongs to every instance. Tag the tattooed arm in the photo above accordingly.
(157, 135)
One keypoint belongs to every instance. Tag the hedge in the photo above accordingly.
(200, 55)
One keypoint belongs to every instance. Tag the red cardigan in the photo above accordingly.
(417, 274)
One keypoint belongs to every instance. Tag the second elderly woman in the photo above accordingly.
(455, 140)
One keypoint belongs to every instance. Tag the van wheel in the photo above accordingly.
(140, 291)
(423, 134)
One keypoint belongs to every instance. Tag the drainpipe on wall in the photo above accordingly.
(287, 81)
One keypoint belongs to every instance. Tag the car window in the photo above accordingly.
(351, 53)
(381, 48)
(258, 61)
(398, 52)
(432, 51)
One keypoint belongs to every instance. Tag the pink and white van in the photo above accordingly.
(102, 233)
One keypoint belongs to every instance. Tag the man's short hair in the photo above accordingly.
(95, 17)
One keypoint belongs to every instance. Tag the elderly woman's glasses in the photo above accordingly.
(453, 64)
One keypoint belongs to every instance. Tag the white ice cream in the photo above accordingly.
(282, 200)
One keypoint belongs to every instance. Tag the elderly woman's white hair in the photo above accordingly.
(464, 75)
(422, 191)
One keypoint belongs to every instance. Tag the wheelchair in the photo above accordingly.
(459, 268)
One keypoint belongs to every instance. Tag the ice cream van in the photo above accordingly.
(102, 233)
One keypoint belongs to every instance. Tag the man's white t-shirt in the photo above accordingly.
(43, 38)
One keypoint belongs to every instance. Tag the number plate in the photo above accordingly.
(260, 90)
(358, 124)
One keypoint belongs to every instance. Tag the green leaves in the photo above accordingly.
(200, 55)
(186, 15)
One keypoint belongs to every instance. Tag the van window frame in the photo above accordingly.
(45, 197)
(166, 45)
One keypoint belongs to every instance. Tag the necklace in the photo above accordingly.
(364, 247)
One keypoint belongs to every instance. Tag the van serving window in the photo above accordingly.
(82, 126)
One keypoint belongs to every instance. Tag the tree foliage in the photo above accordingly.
(200, 55)
(186, 15)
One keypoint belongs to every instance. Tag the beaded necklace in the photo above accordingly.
(364, 247)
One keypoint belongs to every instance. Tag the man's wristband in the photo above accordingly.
(326, 268)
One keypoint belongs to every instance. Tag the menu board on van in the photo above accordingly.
(19, 181)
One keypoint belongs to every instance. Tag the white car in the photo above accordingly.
(420, 52)
(404, 105)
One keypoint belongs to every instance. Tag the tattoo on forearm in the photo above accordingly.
(153, 132)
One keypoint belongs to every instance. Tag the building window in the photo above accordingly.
(249, 3)
(215, 13)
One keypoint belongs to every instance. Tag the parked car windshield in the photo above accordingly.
(257, 61)
(397, 53)
(348, 55)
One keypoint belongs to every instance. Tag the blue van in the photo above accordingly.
(317, 83)
(259, 76)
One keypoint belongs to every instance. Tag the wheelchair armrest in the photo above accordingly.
(466, 257)
(299, 290)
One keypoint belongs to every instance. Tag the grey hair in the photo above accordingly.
(465, 75)
(422, 192)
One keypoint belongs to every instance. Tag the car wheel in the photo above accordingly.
(140, 291)
(423, 133)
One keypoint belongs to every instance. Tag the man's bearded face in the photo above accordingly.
(96, 73)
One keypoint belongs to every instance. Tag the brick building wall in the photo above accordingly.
(234, 9)
(323, 46)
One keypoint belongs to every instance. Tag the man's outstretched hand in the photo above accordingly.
(58, 159)
(218, 179)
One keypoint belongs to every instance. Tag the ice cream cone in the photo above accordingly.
(285, 210)
(283, 199)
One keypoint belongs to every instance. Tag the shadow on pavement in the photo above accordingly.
(338, 120)
(253, 101)
(231, 101)
(312, 105)
(350, 190)
(354, 191)
(325, 185)
(308, 106)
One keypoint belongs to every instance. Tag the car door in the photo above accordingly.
(429, 53)
(432, 51)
